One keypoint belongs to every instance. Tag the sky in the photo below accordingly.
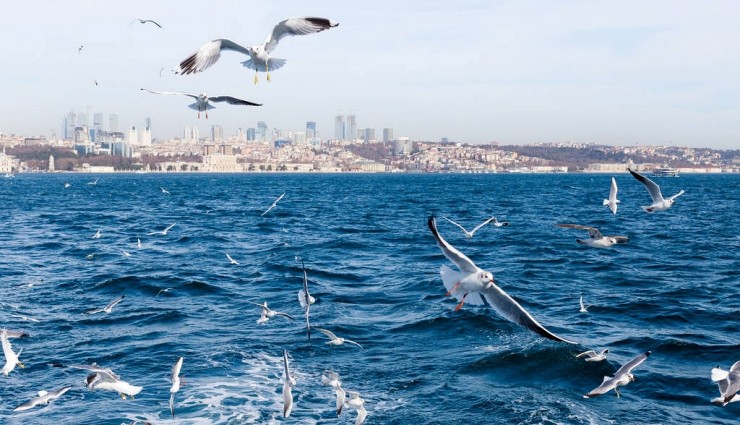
(475, 71)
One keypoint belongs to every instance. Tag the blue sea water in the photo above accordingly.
(373, 267)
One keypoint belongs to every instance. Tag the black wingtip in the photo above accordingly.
(648, 353)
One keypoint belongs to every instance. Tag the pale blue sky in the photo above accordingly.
(612, 72)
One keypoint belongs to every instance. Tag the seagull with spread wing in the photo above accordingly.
(612, 201)
(203, 101)
(335, 340)
(595, 238)
(44, 397)
(108, 308)
(659, 203)
(621, 377)
(470, 234)
(259, 55)
(144, 21)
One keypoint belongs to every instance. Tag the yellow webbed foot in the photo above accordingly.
(255, 78)
(268, 78)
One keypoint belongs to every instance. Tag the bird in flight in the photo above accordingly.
(274, 204)
(470, 234)
(144, 21)
(202, 101)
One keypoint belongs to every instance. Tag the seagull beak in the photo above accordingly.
(21, 365)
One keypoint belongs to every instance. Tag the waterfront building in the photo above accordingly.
(387, 135)
(133, 136)
(261, 131)
(113, 123)
(310, 130)
(351, 127)
(339, 125)
(217, 133)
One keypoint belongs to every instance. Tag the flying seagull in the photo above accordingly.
(175, 379)
(202, 101)
(79, 49)
(105, 379)
(231, 260)
(612, 201)
(162, 232)
(274, 204)
(595, 238)
(622, 377)
(593, 356)
(584, 307)
(94, 182)
(288, 383)
(165, 191)
(358, 404)
(729, 384)
(659, 204)
(470, 234)
(305, 298)
(471, 282)
(43, 398)
(11, 358)
(335, 340)
(268, 313)
(331, 379)
(500, 223)
(259, 55)
(144, 21)
(108, 308)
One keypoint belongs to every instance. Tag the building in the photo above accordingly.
(339, 125)
(351, 127)
(148, 122)
(220, 163)
(113, 123)
(146, 137)
(190, 134)
(387, 135)
(370, 135)
(7, 162)
(251, 133)
(310, 130)
(133, 136)
(52, 167)
(98, 122)
(217, 133)
(299, 138)
(70, 122)
(261, 131)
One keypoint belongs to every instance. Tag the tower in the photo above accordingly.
(310, 130)
(387, 135)
(351, 127)
(339, 130)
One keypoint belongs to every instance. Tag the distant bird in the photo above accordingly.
(160, 71)
(79, 49)
(163, 291)
(96, 82)
(612, 201)
(259, 55)
(90, 256)
(67, 185)
(138, 243)
(94, 182)
(231, 260)
(108, 308)
(470, 234)
(358, 404)
(335, 340)
(305, 299)
(96, 235)
(202, 101)
(729, 384)
(162, 232)
(43, 398)
(621, 377)
(144, 21)
(500, 223)
(11, 358)
(268, 314)
(584, 307)
(125, 253)
(659, 204)
(288, 383)
(274, 204)
(595, 238)
(105, 379)
(477, 284)
(175, 380)
(593, 356)
(331, 379)
(165, 191)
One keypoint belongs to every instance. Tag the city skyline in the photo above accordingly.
(618, 73)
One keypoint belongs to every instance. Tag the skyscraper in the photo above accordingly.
(146, 137)
(70, 122)
(98, 122)
(251, 133)
(387, 135)
(217, 133)
(113, 123)
(351, 127)
(133, 136)
(261, 130)
(310, 129)
(370, 135)
(339, 127)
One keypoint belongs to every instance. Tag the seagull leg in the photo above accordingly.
(123, 396)
(255, 77)
(454, 288)
(459, 306)
(616, 390)
(267, 68)
(206, 114)
(198, 114)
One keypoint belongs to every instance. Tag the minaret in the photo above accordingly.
(51, 163)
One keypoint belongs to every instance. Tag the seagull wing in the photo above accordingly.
(459, 225)
(296, 26)
(352, 342)
(233, 101)
(588, 353)
(194, 96)
(176, 369)
(627, 367)
(58, 393)
(613, 191)
(652, 188)
(286, 370)
(115, 302)
(676, 195)
(593, 232)
(475, 229)
(280, 313)
(509, 309)
(170, 227)
(609, 384)
(461, 261)
(149, 20)
(361, 415)
(207, 55)
(7, 348)
(328, 333)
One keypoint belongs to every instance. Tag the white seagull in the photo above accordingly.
(11, 358)
(202, 101)
(96, 235)
(470, 234)
(358, 404)
(335, 340)
(43, 398)
(622, 377)
(165, 191)
(144, 21)
(94, 182)
(612, 201)
(108, 308)
(231, 260)
(125, 253)
(105, 379)
(584, 307)
(67, 185)
(268, 314)
(659, 204)
(138, 243)
(593, 356)
(305, 298)
(274, 204)
(163, 232)
(175, 379)
(500, 223)
(259, 55)
(595, 238)
(471, 283)
(331, 379)
(288, 383)
(729, 384)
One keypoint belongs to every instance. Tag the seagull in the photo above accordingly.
(96, 235)
(268, 314)
(163, 290)
(331, 379)
(358, 404)
(729, 384)
(475, 229)
(95, 182)
(622, 377)
(593, 356)
(202, 101)
(306, 299)
(67, 185)
(274, 204)
(231, 260)
(612, 201)
(90, 256)
(175, 379)
(108, 308)
(659, 204)
(335, 340)
(79, 49)
(584, 307)
(163, 232)
(288, 383)
(96, 83)
(160, 71)
(500, 223)
(126, 253)
(105, 379)
(165, 191)
(259, 55)
(43, 398)
(17, 334)
(473, 282)
(11, 358)
(138, 243)
(144, 21)
(595, 238)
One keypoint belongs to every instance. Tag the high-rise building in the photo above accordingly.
(217, 133)
(148, 122)
(98, 122)
(262, 131)
(339, 125)
(351, 127)
(82, 120)
(251, 133)
(51, 164)
(70, 122)
(113, 123)
(133, 136)
(360, 134)
(387, 135)
(370, 135)
(146, 137)
(299, 138)
(310, 129)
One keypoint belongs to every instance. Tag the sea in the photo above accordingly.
(373, 268)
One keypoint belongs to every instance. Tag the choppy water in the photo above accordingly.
(374, 268)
